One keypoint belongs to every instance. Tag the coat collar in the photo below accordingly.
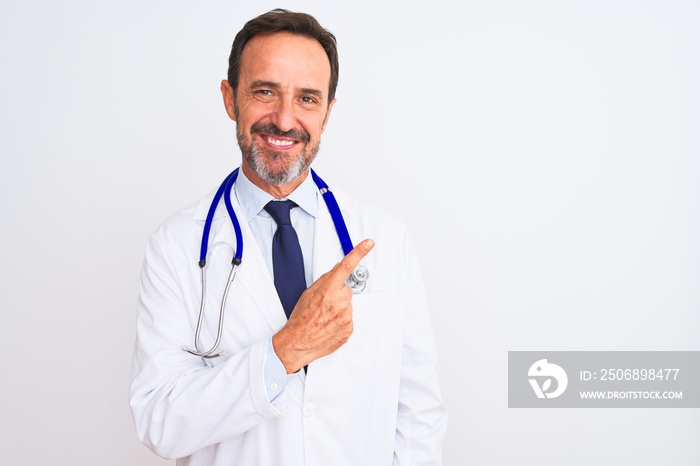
(305, 196)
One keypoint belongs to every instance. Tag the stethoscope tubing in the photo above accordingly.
(224, 191)
(225, 188)
(334, 210)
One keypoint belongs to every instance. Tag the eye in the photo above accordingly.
(264, 95)
(308, 100)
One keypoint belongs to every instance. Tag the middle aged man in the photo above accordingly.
(345, 379)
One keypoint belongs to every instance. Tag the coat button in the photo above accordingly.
(308, 410)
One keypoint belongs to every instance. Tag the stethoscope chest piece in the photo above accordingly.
(358, 279)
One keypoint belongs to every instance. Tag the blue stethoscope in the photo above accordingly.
(357, 280)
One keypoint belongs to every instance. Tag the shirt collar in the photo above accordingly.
(253, 199)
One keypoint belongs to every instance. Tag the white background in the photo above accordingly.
(544, 154)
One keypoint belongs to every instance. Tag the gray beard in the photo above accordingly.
(255, 157)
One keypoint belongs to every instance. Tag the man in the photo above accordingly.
(346, 379)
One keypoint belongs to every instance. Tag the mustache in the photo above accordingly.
(273, 130)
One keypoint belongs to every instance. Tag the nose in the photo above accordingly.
(283, 115)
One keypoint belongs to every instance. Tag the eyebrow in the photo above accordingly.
(274, 85)
(313, 92)
(271, 84)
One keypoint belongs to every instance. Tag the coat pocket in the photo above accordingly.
(375, 328)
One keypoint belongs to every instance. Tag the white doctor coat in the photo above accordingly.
(374, 401)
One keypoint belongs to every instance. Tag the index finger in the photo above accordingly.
(344, 268)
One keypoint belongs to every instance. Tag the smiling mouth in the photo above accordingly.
(276, 139)
(279, 143)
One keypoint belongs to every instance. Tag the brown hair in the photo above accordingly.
(280, 20)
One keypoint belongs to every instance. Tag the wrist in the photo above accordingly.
(286, 351)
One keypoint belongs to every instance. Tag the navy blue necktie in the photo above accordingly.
(287, 260)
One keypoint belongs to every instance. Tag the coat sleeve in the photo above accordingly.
(422, 417)
(179, 404)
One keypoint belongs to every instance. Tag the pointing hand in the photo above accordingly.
(321, 321)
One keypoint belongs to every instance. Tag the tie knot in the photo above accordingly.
(279, 211)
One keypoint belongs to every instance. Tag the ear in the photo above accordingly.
(328, 115)
(228, 96)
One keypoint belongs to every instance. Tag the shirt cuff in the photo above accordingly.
(275, 373)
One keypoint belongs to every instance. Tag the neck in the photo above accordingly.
(277, 191)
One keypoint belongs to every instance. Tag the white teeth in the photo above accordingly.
(277, 142)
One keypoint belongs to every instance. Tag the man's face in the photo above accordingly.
(281, 105)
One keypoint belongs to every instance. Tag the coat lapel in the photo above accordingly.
(252, 275)
(327, 248)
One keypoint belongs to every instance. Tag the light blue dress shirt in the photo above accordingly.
(252, 201)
